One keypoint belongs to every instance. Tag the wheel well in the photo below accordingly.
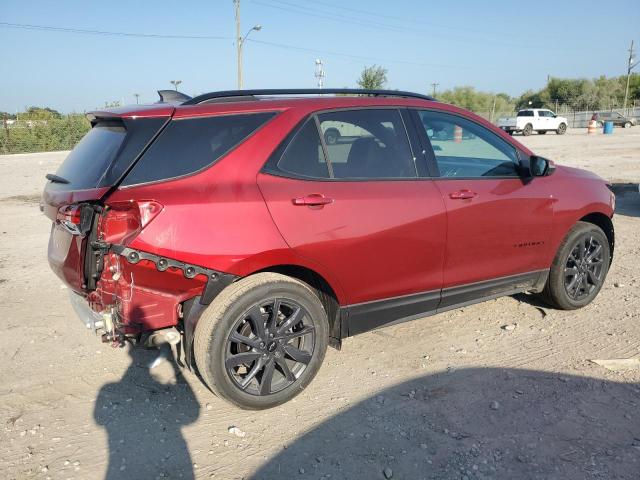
(605, 223)
(325, 293)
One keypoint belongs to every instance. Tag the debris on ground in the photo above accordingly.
(617, 364)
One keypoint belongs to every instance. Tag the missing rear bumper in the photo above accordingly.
(216, 281)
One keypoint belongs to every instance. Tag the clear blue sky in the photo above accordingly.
(494, 46)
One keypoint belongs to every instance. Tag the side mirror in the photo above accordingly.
(540, 166)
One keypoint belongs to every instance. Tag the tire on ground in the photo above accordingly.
(562, 129)
(554, 292)
(213, 329)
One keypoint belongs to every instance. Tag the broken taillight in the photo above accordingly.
(122, 221)
(76, 219)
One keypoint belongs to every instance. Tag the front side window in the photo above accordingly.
(465, 149)
(367, 143)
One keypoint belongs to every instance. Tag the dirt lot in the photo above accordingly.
(451, 396)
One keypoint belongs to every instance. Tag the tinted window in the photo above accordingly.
(367, 143)
(92, 156)
(304, 155)
(525, 113)
(186, 146)
(465, 149)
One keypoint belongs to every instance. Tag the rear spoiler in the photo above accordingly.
(172, 96)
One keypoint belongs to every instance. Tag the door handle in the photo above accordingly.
(462, 195)
(312, 200)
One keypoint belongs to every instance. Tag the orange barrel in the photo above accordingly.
(592, 128)
(457, 134)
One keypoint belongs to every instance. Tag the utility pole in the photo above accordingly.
(434, 85)
(175, 83)
(240, 41)
(630, 66)
(137, 95)
(319, 73)
(238, 44)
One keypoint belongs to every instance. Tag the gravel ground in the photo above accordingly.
(458, 395)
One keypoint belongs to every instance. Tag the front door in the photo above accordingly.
(357, 207)
(498, 223)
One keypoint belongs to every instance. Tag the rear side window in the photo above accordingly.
(92, 156)
(189, 145)
(304, 155)
(367, 143)
(525, 113)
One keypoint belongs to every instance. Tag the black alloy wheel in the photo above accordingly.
(579, 268)
(584, 268)
(270, 346)
(262, 340)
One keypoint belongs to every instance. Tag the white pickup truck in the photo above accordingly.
(534, 120)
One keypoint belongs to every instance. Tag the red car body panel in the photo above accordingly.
(386, 239)
(376, 240)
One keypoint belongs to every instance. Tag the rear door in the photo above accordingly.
(498, 223)
(359, 208)
(94, 166)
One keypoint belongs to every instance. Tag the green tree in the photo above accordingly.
(373, 77)
(40, 113)
(477, 101)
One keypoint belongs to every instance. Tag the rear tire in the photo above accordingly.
(579, 268)
(627, 125)
(261, 341)
(562, 129)
(527, 130)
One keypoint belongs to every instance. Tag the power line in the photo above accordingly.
(211, 37)
(117, 34)
(353, 57)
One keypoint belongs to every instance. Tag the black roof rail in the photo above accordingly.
(230, 95)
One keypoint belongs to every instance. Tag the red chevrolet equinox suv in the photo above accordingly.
(227, 222)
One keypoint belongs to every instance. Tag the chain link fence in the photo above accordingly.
(26, 136)
(575, 118)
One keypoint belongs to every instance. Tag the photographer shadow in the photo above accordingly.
(144, 417)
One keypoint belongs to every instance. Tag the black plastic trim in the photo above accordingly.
(371, 315)
(216, 280)
(363, 317)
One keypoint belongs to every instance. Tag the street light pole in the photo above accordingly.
(175, 83)
(137, 95)
(240, 41)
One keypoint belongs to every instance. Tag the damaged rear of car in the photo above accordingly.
(122, 286)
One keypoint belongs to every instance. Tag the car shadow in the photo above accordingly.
(476, 423)
(627, 199)
(143, 417)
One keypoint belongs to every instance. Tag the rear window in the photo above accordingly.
(189, 145)
(92, 156)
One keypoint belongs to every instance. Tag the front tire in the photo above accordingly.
(261, 341)
(579, 268)
(627, 125)
(562, 129)
(527, 130)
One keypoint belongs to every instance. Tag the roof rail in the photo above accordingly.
(229, 95)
